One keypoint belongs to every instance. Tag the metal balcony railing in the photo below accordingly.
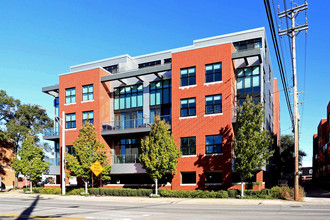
(51, 131)
(124, 158)
(53, 161)
(132, 123)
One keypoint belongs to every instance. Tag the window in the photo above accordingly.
(127, 152)
(188, 107)
(188, 145)
(88, 93)
(188, 177)
(213, 104)
(125, 120)
(70, 95)
(213, 177)
(70, 150)
(329, 118)
(168, 60)
(213, 72)
(188, 76)
(88, 117)
(57, 106)
(111, 69)
(248, 44)
(128, 97)
(160, 92)
(213, 144)
(70, 120)
(164, 113)
(152, 63)
(248, 80)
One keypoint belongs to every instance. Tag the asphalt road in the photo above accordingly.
(49, 208)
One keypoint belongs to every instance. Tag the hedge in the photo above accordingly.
(47, 190)
(120, 192)
(193, 193)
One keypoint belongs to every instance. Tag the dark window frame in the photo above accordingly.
(213, 73)
(244, 76)
(190, 77)
(191, 177)
(190, 147)
(213, 105)
(71, 96)
(90, 120)
(118, 95)
(111, 69)
(153, 88)
(212, 179)
(213, 145)
(70, 123)
(70, 150)
(88, 93)
(149, 64)
(191, 110)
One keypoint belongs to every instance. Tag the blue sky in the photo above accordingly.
(41, 39)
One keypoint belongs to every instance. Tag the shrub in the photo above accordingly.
(120, 192)
(275, 192)
(256, 183)
(193, 193)
(47, 190)
(232, 193)
(77, 192)
(34, 189)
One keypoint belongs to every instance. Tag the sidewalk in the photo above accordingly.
(308, 200)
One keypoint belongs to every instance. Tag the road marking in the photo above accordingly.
(43, 217)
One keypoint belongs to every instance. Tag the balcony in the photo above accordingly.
(124, 158)
(139, 125)
(54, 166)
(51, 134)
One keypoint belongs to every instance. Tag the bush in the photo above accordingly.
(232, 193)
(193, 193)
(275, 192)
(34, 189)
(120, 192)
(77, 192)
(47, 190)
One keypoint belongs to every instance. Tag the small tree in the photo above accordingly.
(31, 162)
(87, 150)
(159, 153)
(252, 143)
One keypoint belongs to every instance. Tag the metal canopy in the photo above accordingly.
(51, 90)
(137, 73)
(247, 54)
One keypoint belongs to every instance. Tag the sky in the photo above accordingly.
(41, 39)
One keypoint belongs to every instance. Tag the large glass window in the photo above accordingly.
(70, 120)
(213, 144)
(248, 80)
(127, 120)
(188, 145)
(188, 177)
(213, 177)
(188, 76)
(128, 151)
(160, 92)
(57, 106)
(70, 95)
(213, 72)
(128, 97)
(88, 92)
(248, 44)
(188, 107)
(213, 104)
(70, 150)
(88, 117)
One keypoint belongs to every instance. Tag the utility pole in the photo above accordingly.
(292, 33)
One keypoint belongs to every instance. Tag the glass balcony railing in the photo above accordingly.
(51, 131)
(53, 161)
(124, 158)
(132, 123)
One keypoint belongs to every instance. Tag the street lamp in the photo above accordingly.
(61, 122)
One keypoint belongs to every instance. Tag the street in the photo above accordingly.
(76, 207)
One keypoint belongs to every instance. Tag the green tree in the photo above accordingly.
(31, 162)
(252, 143)
(159, 153)
(287, 159)
(87, 150)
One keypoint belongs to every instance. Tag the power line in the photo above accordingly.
(278, 56)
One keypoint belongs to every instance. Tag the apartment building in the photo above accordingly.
(321, 149)
(195, 89)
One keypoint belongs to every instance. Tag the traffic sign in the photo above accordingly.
(96, 168)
